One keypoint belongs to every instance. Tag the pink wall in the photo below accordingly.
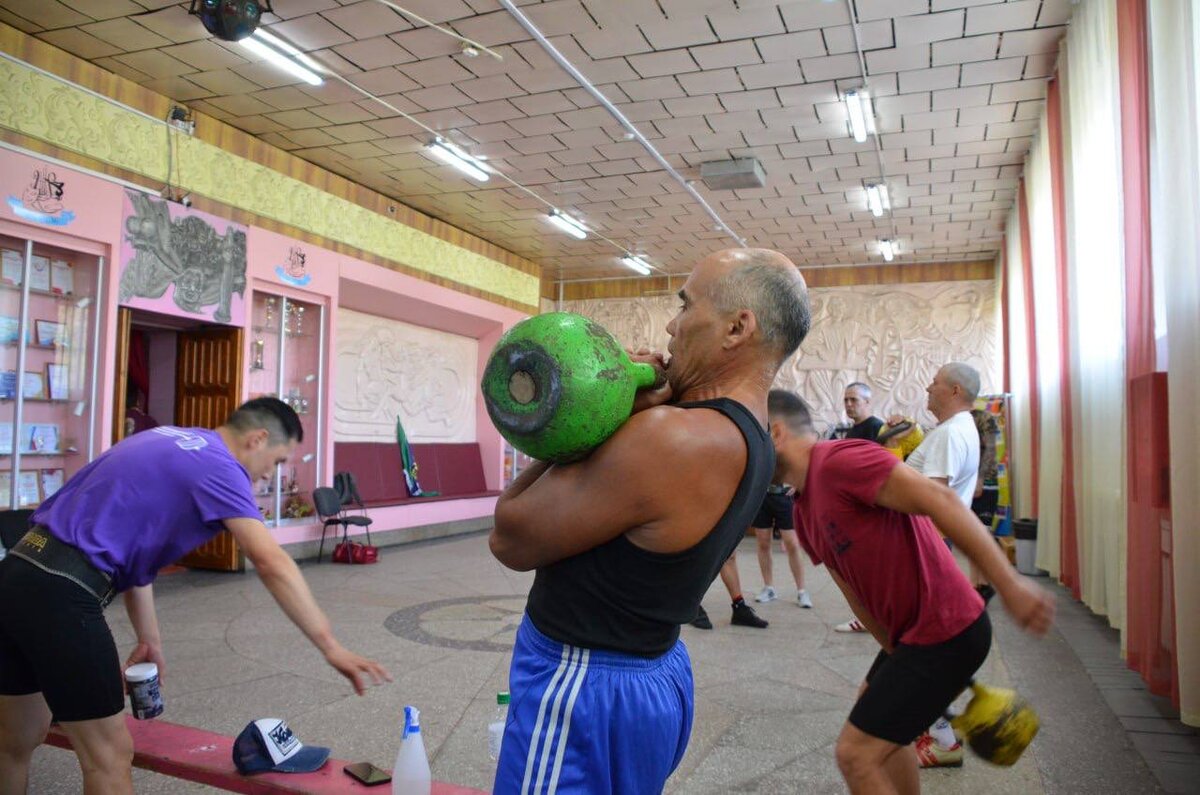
(334, 280)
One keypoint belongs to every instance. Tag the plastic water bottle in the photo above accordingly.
(496, 726)
(411, 775)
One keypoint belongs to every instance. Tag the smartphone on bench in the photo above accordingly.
(367, 773)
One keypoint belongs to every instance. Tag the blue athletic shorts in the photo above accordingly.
(590, 721)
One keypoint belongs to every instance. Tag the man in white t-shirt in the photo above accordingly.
(949, 454)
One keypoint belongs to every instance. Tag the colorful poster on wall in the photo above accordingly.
(997, 407)
(42, 198)
(181, 262)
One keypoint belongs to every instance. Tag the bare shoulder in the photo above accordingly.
(688, 436)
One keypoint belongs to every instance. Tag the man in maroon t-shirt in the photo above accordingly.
(871, 523)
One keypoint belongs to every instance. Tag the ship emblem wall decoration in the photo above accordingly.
(42, 200)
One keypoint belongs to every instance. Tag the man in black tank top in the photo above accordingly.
(626, 542)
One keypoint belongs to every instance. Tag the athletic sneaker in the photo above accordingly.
(701, 621)
(767, 594)
(853, 625)
(930, 754)
(803, 599)
(744, 616)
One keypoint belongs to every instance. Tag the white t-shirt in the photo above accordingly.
(951, 450)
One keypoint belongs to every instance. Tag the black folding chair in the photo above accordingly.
(329, 509)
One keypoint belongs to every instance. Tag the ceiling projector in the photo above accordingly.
(230, 20)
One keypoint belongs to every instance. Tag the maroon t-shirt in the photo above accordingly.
(897, 564)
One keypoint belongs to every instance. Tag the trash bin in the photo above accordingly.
(1025, 531)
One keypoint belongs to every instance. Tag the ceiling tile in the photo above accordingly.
(656, 64)
(374, 53)
(1055, 12)
(972, 48)
(929, 27)
(207, 55)
(559, 17)
(1018, 90)
(223, 81)
(770, 75)
(607, 43)
(286, 98)
(874, 35)
(747, 23)
(426, 42)
(974, 74)
(435, 72)
(1015, 15)
(898, 59)
(790, 47)
(684, 31)
(987, 114)
(653, 88)
(762, 99)
(309, 32)
(884, 9)
(177, 88)
(720, 80)
(719, 56)
(439, 97)
(810, 14)
(490, 88)
(831, 67)
(1031, 42)
(367, 18)
(961, 97)
(929, 79)
(491, 30)
(79, 43)
(46, 13)
(494, 111)
(154, 63)
(126, 34)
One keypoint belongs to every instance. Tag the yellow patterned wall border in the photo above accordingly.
(50, 109)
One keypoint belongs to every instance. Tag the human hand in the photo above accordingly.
(359, 670)
(896, 419)
(146, 652)
(1031, 607)
(660, 391)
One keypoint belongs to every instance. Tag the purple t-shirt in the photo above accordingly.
(149, 500)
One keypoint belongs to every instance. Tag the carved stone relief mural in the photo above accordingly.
(893, 337)
(386, 368)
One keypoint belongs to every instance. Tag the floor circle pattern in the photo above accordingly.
(478, 623)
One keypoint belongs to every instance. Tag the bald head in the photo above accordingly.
(769, 285)
(964, 376)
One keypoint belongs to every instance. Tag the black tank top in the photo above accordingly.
(621, 597)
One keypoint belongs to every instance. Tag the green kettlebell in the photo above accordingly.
(557, 385)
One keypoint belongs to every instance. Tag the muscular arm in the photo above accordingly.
(139, 605)
(282, 578)
(909, 492)
(644, 479)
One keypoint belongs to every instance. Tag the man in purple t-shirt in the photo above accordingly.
(137, 508)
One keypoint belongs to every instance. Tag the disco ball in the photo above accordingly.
(230, 20)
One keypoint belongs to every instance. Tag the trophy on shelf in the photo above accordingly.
(299, 319)
(257, 364)
(303, 405)
(270, 318)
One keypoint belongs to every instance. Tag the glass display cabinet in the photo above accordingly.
(49, 343)
(287, 361)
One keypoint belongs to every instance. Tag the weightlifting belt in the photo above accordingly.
(56, 557)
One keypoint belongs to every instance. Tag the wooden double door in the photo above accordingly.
(208, 387)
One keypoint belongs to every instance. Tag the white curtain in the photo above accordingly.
(1045, 308)
(1175, 244)
(1020, 454)
(1096, 294)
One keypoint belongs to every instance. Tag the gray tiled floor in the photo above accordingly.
(769, 702)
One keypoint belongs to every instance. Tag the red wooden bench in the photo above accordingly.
(453, 470)
(207, 758)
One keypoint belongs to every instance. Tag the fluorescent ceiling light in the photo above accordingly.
(860, 113)
(568, 224)
(289, 48)
(451, 155)
(636, 263)
(877, 199)
(281, 60)
(888, 249)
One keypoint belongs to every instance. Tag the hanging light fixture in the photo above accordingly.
(860, 113)
(636, 263)
(566, 223)
(283, 55)
(451, 155)
(877, 199)
(888, 249)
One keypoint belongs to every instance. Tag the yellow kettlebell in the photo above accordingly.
(998, 724)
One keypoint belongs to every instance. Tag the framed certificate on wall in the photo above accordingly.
(52, 481)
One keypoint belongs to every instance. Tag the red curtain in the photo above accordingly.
(1035, 400)
(139, 367)
(1150, 620)
(1069, 574)
(1002, 275)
